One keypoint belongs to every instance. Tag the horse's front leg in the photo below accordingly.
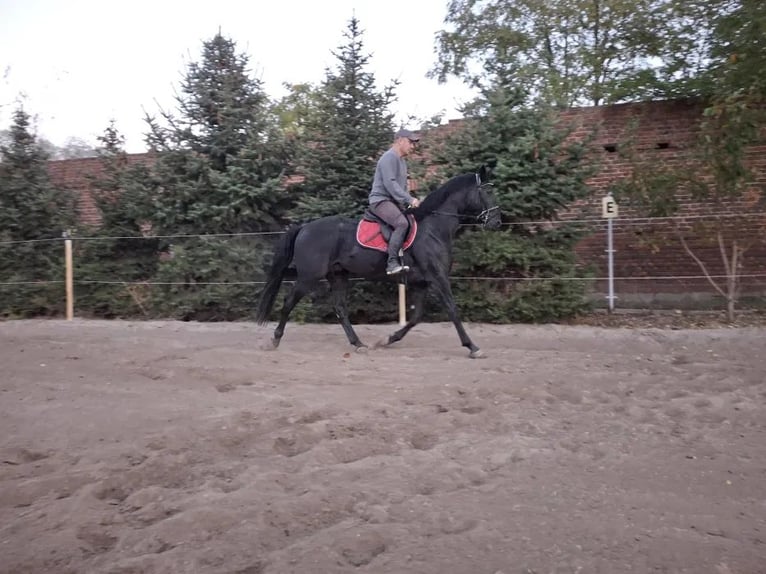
(339, 288)
(417, 293)
(443, 289)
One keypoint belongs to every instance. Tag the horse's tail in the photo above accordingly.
(283, 255)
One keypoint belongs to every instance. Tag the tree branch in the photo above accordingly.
(700, 263)
(722, 248)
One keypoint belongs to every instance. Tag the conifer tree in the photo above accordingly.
(344, 134)
(32, 212)
(346, 125)
(221, 161)
(535, 172)
(220, 169)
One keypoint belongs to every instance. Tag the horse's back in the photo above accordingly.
(320, 242)
(330, 242)
(325, 230)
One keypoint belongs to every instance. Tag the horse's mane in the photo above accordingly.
(436, 198)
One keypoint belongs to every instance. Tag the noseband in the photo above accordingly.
(483, 217)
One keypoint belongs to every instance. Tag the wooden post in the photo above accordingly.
(402, 305)
(69, 277)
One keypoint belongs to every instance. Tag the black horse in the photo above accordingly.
(327, 248)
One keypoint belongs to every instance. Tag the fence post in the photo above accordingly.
(69, 282)
(402, 305)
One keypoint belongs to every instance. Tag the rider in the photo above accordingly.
(389, 194)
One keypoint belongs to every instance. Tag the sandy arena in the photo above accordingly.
(173, 448)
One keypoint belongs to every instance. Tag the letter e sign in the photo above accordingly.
(608, 207)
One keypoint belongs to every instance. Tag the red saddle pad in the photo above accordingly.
(368, 235)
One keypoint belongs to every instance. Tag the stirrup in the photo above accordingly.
(393, 269)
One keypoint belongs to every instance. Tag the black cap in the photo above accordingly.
(412, 136)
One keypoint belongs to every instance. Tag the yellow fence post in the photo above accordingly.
(402, 305)
(69, 277)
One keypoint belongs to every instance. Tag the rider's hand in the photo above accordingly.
(415, 202)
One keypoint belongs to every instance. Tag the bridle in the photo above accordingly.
(483, 217)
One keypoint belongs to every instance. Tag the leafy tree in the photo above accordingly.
(32, 213)
(736, 68)
(75, 148)
(220, 169)
(576, 51)
(295, 108)
(347, 128)
(733, 121)
(688, 37)
(536, 172)
(716, 172)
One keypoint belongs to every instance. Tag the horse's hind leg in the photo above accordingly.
(299, 290)
(339, 287)
(417, 296)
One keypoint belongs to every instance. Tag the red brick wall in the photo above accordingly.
(77, 174)
(665, 132)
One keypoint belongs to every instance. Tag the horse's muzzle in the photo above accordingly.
(489, 219)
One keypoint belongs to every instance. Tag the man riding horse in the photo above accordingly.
(389, 194)
(330, 248)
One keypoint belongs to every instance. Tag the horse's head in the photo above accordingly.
(489, 212)
(464, 196)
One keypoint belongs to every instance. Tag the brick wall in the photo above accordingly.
(661, 131)
(77, 175)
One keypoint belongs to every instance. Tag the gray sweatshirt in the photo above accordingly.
(390, 181)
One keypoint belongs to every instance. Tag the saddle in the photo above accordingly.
(373, 233)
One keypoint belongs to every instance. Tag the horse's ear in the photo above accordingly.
(484, 173)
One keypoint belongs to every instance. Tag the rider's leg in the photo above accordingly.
(391, 214)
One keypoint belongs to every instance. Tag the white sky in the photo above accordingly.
(79, 63)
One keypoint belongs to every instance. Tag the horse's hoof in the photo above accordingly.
(269, 345)
(477, 354)
(361, 349)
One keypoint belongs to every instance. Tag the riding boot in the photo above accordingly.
(394, 252)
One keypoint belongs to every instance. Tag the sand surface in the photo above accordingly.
(164, 447)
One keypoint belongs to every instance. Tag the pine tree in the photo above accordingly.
(221, 161)
(32, 214)
(221, 166)
(346, 125)
(535, 173)
(344, 134)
